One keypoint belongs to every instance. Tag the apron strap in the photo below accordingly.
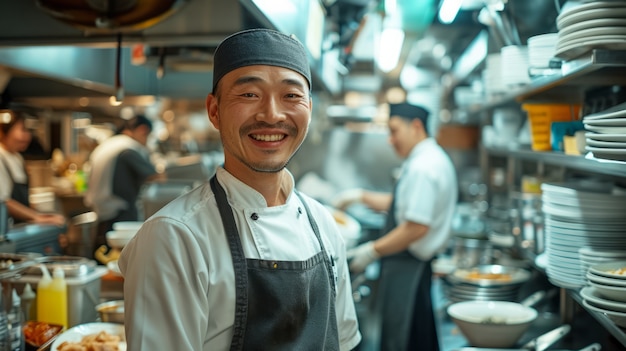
(239, 264)
(329, 262)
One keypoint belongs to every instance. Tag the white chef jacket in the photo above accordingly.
(15, 164)
(179, 290)
(427, 194)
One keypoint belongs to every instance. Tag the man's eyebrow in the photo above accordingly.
(247, 79)
(252, 79)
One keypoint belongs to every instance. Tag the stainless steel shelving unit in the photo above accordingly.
(600, 68)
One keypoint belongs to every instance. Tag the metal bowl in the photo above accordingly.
(111, 311)
(490, 275)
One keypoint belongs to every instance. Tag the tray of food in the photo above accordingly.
(40, 335)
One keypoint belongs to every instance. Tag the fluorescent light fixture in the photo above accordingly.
(391, 40)
(448, 10)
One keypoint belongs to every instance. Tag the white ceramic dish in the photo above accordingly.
(592, 23)
(610, 282)
(510, 321)
(619, 318)
(615, 293)
(77, 333)
(573, 8)
(605, 269)
(606, 137)
(616, 254)
(606, 144)
(585, 14)
(119, 239)
(127, 225)
(619, 122)
(606, 129)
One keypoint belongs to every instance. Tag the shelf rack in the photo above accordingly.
(599, 68)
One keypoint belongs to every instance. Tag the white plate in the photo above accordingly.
(579, 188)
(577, 212)
(620, 122)
(606, 137)
(610, 282)
(606, 144)
(573, 8)
(575, 48)
(590, 33)
(619, 318)
(614, 254)
(592, 23)
(585, 226)
(605, 268)
(77, 333)
(615, 151)
(582, 14)
(606, 129)
(615, 293)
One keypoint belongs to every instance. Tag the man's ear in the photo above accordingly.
(212, 110)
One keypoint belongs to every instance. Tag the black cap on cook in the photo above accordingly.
(260, 47)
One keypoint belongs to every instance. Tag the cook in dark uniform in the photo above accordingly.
(14, 139)
(418, 227)
(244, 262)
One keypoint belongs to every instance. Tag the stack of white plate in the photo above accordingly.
(585, 26)
(606, 292)
(606, 133)
(580, 214)
(514, 65)
(541, 49)
(589, 256)
(492, 77)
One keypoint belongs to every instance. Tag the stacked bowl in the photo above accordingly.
(485, 283)
(606, 291)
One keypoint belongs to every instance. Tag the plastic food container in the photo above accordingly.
(541, 117)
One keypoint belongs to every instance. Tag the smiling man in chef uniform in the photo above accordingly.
(244, 262)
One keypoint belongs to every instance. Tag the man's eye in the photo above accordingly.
(248, 95)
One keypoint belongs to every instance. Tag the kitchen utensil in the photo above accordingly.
(591, 347)
(544, 341)
(540, 343)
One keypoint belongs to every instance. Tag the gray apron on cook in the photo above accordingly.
(405, 284)
(20, 190)
(280, 305)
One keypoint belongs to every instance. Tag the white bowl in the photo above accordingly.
(127, 225)
(497, 324)
(119, 238)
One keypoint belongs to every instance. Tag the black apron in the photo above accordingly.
(20, 190)
(280, 305)
(408, 319)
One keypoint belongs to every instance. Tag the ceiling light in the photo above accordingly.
(391, 40)
(448, 10)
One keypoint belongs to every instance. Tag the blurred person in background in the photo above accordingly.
(244, 261)
(419, 217)
(14, 190)
(120, 166)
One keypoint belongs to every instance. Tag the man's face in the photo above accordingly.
(263, 114)
(402, 135)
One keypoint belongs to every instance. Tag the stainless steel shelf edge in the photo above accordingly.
(615, 330)
(560, 159)
(596, 60)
